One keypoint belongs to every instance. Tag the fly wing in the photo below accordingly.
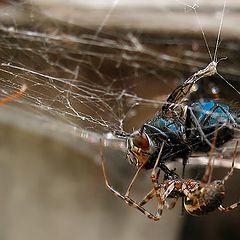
(180, 94)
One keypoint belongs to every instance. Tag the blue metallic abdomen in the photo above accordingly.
(214, 118)
(203, 120)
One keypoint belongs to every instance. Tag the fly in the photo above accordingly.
(182, 125)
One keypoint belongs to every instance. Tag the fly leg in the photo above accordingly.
(129, 201)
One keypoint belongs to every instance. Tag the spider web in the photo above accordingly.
(89, 80)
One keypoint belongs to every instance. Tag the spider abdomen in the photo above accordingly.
(206, 199)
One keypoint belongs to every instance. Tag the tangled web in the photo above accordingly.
(90, 81)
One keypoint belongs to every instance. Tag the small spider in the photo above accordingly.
(199, 197)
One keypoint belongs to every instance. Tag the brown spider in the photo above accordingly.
(200, 197)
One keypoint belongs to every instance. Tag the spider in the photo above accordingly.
(199, 197)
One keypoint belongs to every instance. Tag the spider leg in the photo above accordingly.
(154, 174)
(184, 163)
(172, 204)
(224, 111)
(198, 126)
(127, 199)
(232, 167)
(133, 180)
(209, 168)
(148, 197)
(230, 208)
(235, 205)
(160, 205)
(154, 177)
(161, 194)
(189, 194)
(14, 96)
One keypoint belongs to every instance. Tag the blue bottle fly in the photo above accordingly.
(183, 126)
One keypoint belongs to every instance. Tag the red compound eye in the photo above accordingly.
(141, 141)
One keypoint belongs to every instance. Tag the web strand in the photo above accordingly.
(219, 31)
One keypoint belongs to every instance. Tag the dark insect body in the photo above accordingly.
(200, 197)
(183, 126)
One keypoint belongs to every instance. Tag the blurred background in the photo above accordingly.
(92, 68)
